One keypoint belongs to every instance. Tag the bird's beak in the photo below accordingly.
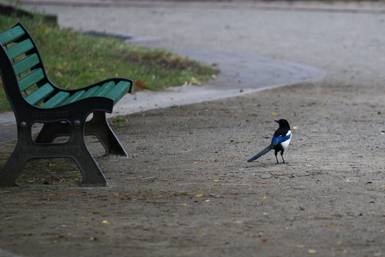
(276, 121)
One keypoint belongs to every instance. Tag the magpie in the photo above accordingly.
(280, 141)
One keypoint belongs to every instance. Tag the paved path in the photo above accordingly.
(347, 45)
(369, 7)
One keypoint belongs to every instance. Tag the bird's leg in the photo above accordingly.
(282, 158)
(276, 157)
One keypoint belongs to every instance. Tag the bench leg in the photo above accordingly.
(50, 131)
(92, 175)
(12, 169)
(99, 127)
(75, 149)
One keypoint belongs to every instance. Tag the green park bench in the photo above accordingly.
(35, 99)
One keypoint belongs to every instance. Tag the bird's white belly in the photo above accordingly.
(287, 142)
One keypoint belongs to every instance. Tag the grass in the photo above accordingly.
(74, 60)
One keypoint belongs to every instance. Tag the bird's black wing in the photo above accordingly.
(280, 136)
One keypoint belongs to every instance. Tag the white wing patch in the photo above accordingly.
(287, 142)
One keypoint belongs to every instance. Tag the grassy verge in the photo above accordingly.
(73, 60)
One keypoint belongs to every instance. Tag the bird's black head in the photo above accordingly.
(283, 123)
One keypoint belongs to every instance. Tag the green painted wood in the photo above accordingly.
(19, 49)
(38, 95)
(56, 100)
(119, 91)
(109, 89)
(31, 79)
(89, 92)
(11, 35)
(74, 97)
(26, 64)
(104, 89)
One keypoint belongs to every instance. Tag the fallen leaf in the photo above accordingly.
(106, 222)
(194, 81)
(140, 83)
(264, 198)
(264, 240)
(274, 114)
(299, 246)
(199, 195)
(312, 251)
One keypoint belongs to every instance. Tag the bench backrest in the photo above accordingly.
(22, 68)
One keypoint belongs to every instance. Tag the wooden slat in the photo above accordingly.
(119, 91)
(104, 89)
(89, 92)
(74, 97)
(19, 49)
(11, 35)
(26, 64)
(56, 100)
(31, 79)
(41, 93)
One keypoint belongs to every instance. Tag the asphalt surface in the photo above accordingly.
(347, 45)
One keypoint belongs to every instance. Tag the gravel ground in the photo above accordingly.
(186, 188)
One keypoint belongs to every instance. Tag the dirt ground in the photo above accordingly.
(187, 190)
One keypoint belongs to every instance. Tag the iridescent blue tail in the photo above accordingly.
(264, 151)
